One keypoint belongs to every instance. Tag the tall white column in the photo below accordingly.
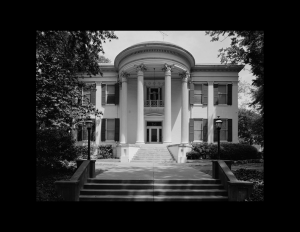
(167, 136)
(123, 134)
(210, 112)
(99, 107)
(184, 109)
(235, 109)
(140, 104)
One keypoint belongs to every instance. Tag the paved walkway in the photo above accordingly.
(147, 171)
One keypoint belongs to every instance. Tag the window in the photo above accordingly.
(110, 94)
(225, 132)
(223, 94)
(82, 132)
(198, 94)
(198, 130)
(88, 95)
(110, 129)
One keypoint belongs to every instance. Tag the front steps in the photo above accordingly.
(153, 190)
(153, 154)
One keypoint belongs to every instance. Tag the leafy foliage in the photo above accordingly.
(228, 151)
(61, 58)
(247, 47)
(257, 177)
(250, 127)
(53, 147)
(105, 151)
(103, 59)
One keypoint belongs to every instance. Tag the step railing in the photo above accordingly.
(237, 190)
(70, 189)
(154, 103)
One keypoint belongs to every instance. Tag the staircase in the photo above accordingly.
(153, 190)
(153, 154)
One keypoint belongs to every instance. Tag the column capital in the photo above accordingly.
(140, 67)
(98, 83)
(167, 68)
(124, 75)
(184, 75)
(210, 82)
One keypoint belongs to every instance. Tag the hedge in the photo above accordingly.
(228, 151)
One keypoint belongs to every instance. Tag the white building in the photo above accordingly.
(154, 93)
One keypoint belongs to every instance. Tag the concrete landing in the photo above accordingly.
(147, 171)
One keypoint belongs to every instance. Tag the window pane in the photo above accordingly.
(222, 98)
(197, 98)
(223, 135)
(197, 135)
(222, 88)
(111, 89)
(110, 99)
(197, 125)
(110, 124)
(224, 124)
(110, 135)
(198, 89)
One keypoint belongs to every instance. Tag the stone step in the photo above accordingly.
(156, 192)
(156, 181)
(150, 186)
(151, 198)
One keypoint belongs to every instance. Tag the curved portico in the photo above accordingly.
(138, 63)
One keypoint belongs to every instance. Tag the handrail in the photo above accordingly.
(70, 189)
(154, 103)
(237, 190)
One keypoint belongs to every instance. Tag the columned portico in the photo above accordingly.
(184, 108)
(167, 138)
(123, 134)
(140, 104)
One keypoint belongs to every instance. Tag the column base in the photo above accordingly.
(138, 143)
(166, 142)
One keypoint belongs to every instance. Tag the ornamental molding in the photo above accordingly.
(154, 83)
(184, 75)
(124, 74)
(154, 111)
(140, 67)
(167, 67)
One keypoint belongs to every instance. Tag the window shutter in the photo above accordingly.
(191, 137)
(229, 94)
(93, 95)
(79, 133)
(85, 133)
(103, 127)
(147, 97)
(216, 94)
(192, 94)
(215, 131)
(205, 130)
(205, 94)
(117, 93)
(229, 130)
(103, 94)
(117, 129)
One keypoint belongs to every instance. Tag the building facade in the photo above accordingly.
(155, 93)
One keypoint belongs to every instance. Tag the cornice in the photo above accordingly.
(217, 68)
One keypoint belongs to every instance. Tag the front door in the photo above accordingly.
(154, 134)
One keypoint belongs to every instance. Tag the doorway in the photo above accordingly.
(154, 132)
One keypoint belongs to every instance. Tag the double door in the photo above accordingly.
(154, 134)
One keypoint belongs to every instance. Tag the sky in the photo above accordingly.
(196, 42)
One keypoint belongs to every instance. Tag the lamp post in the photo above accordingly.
(88, 123)
(218, 126)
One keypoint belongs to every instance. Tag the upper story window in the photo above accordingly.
(200, 93)
(154, 97)
(88, 95)
(110, 94)
(223, 94)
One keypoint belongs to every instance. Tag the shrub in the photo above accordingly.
(105, 152)
(82, 152)
(193, 155)
(53, 147)
(228, 151)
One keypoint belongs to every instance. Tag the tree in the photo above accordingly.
(61, 58)
(250, 127)
(247, 47)
(103, 59)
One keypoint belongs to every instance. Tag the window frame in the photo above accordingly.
(226, 133)
(226, 94)
(198, 119)
(197, 103)
(82, 130)
(106, 130)
(106, 94)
